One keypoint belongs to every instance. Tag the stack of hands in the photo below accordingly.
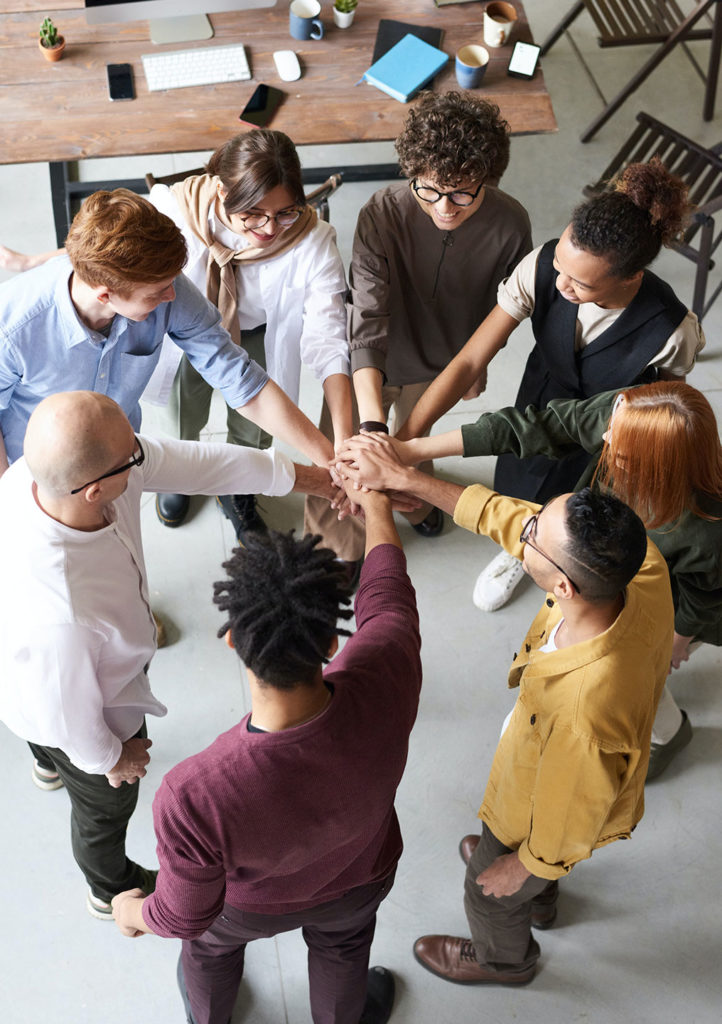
(372, 462)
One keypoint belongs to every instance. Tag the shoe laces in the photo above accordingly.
(467, 951)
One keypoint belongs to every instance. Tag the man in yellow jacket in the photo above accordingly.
(568, 774)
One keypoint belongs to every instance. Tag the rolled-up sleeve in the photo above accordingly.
(194, 324)
(324, 341)
(369, 307)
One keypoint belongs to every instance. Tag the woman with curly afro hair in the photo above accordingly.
(600, 319)
(428, 256)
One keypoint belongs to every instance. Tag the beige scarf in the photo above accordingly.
(195, 196)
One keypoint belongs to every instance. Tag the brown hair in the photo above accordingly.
(253, 164)
(663, 450)
(627, 227)
(453, 137)
(119, 240)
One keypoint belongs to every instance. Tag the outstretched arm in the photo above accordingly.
(273, 410)
(460, 375)
(370, 461)
(20, 261)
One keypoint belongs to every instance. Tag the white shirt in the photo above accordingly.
(516, 297)
(299, 295)
(76, 630)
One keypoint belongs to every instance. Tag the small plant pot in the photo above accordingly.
(343, 19)
(53, 53)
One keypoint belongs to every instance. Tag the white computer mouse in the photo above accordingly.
(287, 65)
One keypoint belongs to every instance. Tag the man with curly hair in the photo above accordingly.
(428, 256)
(287, 820)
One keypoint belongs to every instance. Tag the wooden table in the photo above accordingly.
(61, 112)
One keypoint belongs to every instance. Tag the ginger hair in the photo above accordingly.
(662, 451)
(119, 240)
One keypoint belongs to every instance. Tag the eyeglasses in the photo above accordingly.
(529, 531)
(432, 195)
(136, 459)
(284, 219)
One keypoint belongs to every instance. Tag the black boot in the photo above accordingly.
(171, 509)
(240, 510)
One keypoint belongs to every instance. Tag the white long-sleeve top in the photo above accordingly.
(76, 630)
(299, 295)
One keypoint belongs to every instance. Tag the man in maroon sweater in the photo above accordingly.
(287, 820)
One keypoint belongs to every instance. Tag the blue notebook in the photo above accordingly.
(403, 70)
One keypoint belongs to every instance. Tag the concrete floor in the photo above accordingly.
(638, 932)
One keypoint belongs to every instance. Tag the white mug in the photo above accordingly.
(499, 20)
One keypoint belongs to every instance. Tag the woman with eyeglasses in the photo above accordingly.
(261, 254)
(600, 320)
(428, 256)
(657, 448)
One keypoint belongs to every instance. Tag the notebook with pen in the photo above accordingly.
(406, 67)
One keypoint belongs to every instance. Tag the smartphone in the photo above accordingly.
(523, 61)
(262, 105)
(120, 82)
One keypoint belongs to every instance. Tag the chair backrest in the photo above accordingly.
(317, 198)
(700, 169)
(630, 22)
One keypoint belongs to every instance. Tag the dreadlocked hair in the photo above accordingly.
(283, 598)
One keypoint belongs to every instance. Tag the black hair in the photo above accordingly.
(283, 598)
(454, 136)
(606, 540)
(627, 227)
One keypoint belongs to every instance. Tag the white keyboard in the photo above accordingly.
(207, 65)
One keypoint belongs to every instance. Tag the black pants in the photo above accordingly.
(98, 822)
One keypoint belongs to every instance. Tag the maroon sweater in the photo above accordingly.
(278, 822)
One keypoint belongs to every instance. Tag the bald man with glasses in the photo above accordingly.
(569, 771)
(76, 631)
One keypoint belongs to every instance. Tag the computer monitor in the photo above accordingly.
(171, 21)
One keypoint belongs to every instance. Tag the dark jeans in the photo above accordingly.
(338, 936)
(98, 822)
(501, 926)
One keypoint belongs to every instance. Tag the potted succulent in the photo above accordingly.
(343, 12)
(51, 44)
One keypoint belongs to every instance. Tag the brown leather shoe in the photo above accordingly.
(454, 960)
(543, 915)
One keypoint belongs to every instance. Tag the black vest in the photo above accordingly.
(617, 358)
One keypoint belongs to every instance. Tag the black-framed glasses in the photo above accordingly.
(136, 459)
(529, 531)
(432, 195)
(284, 219)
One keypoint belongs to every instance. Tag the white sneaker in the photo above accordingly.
(497, 582)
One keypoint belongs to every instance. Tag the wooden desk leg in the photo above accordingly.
(715, 49)
(60, 198)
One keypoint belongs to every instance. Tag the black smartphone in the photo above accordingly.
(523, 60)
(262, 105)
(120, 82)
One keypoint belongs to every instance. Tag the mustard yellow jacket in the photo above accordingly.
(568, 774)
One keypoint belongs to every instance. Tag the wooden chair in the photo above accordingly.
(318, 198)
(634, 22)
(701, 170)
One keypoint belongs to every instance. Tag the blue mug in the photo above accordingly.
(471, 64)
(304, 20)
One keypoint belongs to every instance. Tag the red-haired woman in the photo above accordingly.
(657, 448)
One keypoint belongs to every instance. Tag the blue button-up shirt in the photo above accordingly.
(46, 348)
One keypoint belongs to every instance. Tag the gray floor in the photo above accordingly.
(638, 933)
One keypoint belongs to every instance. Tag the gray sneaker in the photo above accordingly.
(661, 754)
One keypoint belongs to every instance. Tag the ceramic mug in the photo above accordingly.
(499, 20)
(304, 19)
(471, 65)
